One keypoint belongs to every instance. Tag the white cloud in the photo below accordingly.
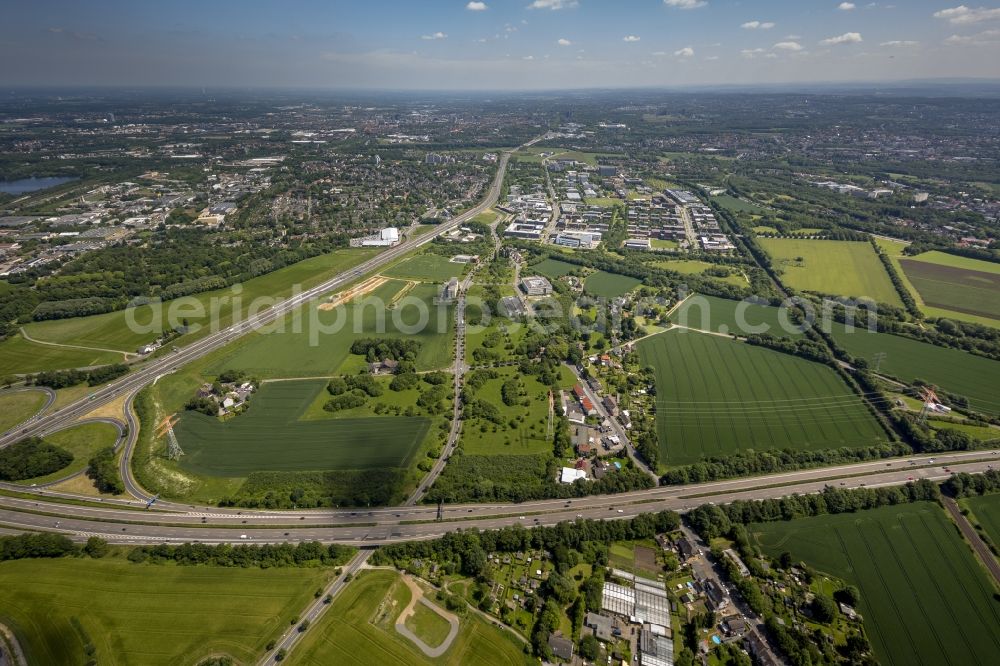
(433, 36)
(528, 58)
(476, 6)
(685, 4)
(554, 4)
(846, 6)
(685, 52)
(631, 38)
(846, 38)
(788, 46)
(979, 39)
(757, 25)
(900, 43)
(563, 42)
(751, 53)
(963, 15)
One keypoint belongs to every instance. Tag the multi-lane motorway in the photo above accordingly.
(124, 521)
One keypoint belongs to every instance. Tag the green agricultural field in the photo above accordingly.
(270, 437)
(609, 285)
(737, 205)
(958, 288)
(956, 371)
(148, 613)
(83, 441)
(317, 343)
(986, 510)
(20, 356)
(427, 267)
(716, 396)
(894, 251)
(16, 407)
(840, 268)
(112, 331)
(924, 597)
(527, 435)
(552, 268)
(723, 315)
(360, 629)
(982, 433)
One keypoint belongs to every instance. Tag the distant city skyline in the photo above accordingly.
(493, 44)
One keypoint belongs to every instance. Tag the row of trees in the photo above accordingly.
(305, 553)
(57, 379)
(31, 458)
(103, 471)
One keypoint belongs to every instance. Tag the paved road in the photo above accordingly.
(615, 425)
(972, 536)
(148, 371)
(389, 525)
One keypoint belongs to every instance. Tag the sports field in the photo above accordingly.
(270, 437)
(17, 407)
(609, 285)
(551, 268)
(840, 268)
(716, 396)
(924, 597)
(722, 315)
(986, 509)
(112, 330)
(317, 343)
(969, 286)
(147, 613)
(974, 377)
(360, 629)
(428, 267)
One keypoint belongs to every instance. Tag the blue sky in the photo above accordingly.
(492, 44)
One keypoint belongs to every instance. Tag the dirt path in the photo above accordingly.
(970, 534)
(418, 596)
(16, 659)
(27, 337)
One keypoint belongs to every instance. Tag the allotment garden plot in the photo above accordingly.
(270, 437)
(924, 597)
(716, 396)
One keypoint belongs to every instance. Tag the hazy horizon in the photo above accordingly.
(499, 45)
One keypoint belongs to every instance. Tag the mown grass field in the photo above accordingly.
(716, 396)
(551, 268)
(83, 441)
(723, 315)
(270, 437)
(609, 285)
(360, 629)
(986, 509)
(695, 267)
(840, 268)
(924, 597)
(20, 356)
(18, 406)
(974, 377)
(148, 614)
(960, 288)
(317, 343)
(112, 331)
(427, 267)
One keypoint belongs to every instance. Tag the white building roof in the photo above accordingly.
(569, 475)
